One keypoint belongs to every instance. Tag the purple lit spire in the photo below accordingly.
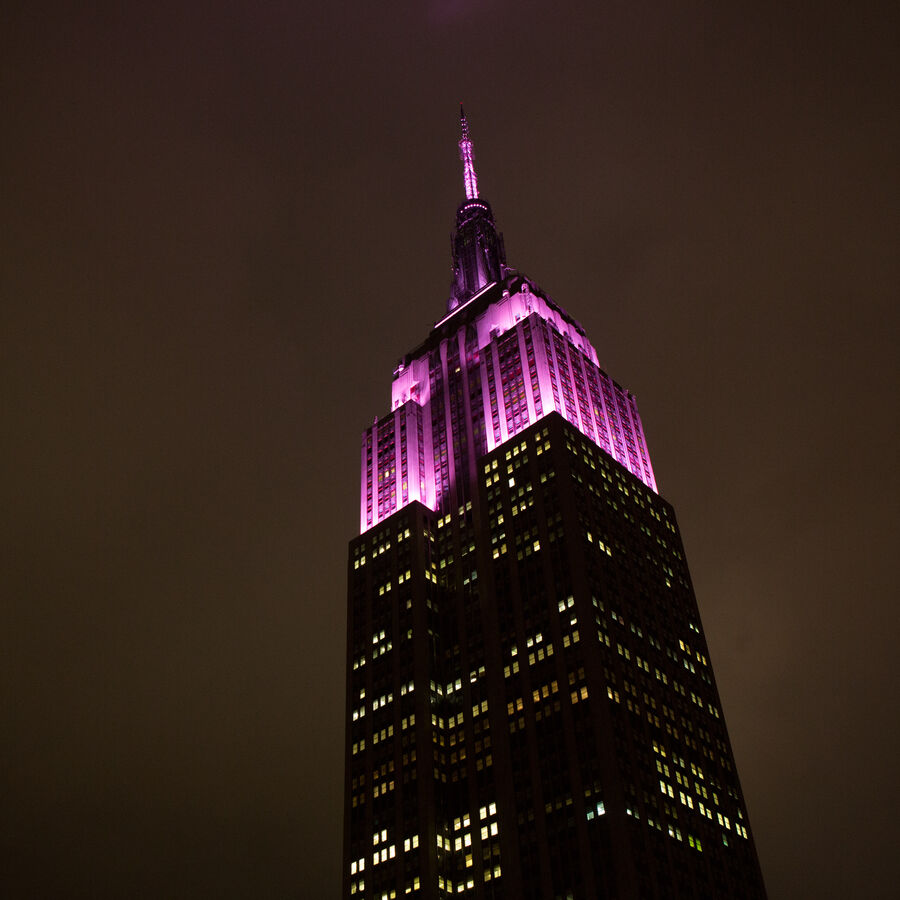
(467, 155)
(503, 357)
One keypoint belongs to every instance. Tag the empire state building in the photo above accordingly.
(531, 709)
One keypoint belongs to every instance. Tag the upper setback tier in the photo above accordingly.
(494, 365)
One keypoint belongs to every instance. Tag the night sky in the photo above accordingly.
(223, 223)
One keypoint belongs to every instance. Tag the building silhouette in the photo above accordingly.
(531, 711)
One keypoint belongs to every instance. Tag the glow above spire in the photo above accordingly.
(467, 155)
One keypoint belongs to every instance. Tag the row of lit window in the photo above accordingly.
(527, 503)
(378, 549)
(381, 645)
(598, 810)
(600, 544)
(527, 550)
(573, 638)
(687, 649)
(659, 674)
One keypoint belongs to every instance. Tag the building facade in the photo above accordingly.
(531, 711)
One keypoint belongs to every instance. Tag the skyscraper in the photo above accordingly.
(531, 711)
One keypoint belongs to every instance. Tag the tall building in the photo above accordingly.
(531, 711)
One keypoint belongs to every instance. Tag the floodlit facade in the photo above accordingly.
(531, 711)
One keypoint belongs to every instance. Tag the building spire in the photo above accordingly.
(478, 255)
(467, 155)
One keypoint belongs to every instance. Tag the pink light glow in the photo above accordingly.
(467, 155)
(495, 364)
(400, 452)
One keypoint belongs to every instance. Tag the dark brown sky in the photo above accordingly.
(222, 225)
